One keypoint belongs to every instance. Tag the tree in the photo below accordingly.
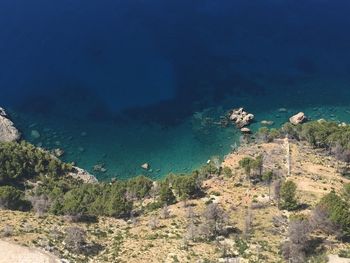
(41, 204)
(346, 192)
(215, 220)
(337, 211)
(11, 198)
(288, 198)
(258, 164)
(295, 248)
(247, 163)
(267, 178)
(248, 223)
(165, 213)
(117, 203)
(277, 190)
(166, 195)
(75, 239)
(140, 186)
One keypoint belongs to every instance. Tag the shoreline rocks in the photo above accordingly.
(298, 118)
(240, 117)
(8, 131)
(246, 130)
(82, 174)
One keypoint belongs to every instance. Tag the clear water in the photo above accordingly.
(120, 82)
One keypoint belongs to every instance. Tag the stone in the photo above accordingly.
(240, 117)
(145, 166)
(8, 131)
(298, 118)
(35, 134)
(58, 152)
(245, 130)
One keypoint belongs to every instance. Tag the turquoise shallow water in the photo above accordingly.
(123, 145)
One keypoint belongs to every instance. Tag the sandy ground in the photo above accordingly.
(19, 254)
(337, 259)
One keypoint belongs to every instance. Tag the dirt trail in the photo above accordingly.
(19, 254)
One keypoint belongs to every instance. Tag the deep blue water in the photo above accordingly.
(120, 82)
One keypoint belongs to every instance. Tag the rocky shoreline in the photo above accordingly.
(9, 133)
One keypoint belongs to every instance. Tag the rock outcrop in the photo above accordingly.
(240, 117)
(298, 118)
(79, 173)
(8, 132)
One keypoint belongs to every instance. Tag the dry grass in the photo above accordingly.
(123, 241)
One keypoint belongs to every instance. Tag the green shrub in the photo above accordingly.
(338, 211)
(21, 161)
(140, 186)
(287, 193)
(227, 171)
(166, 195)
(12, 198)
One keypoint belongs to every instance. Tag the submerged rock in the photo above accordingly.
(282, 110)
(99, 168)
(266, 123)
(8, 131)
(240, 117)
(35, 134)
(298, 118)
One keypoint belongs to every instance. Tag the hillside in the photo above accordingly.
(255, 226)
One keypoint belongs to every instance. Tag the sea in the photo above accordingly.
(117, 84)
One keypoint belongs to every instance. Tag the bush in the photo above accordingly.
(186, 186)
(140, 186)
(227, 171)
(11, 198)
(287, 194)
(75, 239)
(338, 211)
(94, 200)
(21, 161)
(166, 195)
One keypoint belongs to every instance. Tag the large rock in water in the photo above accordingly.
(298, 118)
(240, 117)
(8, 132)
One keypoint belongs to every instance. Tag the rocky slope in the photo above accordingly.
(258, 227)
(8, 131)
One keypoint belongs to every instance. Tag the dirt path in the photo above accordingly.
(13, 253)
